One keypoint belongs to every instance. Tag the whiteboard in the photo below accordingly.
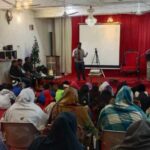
(106, 39)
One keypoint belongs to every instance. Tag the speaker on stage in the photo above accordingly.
(147, 54)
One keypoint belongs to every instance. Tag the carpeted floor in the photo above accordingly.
(113, 80)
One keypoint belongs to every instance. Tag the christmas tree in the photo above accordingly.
(35, 53)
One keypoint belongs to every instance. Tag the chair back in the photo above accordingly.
(111, 138)
(18, 136)
(131, 58)
(131, 62)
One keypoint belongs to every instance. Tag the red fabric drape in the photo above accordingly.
(135, 34)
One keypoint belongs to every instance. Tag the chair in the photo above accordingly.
(18, 136)
(110, 139)
(131, 62)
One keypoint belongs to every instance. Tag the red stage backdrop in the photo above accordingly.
(135, 34)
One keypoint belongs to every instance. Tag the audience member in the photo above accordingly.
(69, 103)
(45, 98)
(16, 72)
(20, 65)
(27, 66)
(7, 97)
(24, 110)
(84, 95)
(106, 86)
(66, 84)
(122, 113)
(137, 137)
(16, 87)
(94, 100)
(62, 135)
(59, 92)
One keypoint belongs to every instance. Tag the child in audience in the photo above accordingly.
(16, 87)
(45, 98)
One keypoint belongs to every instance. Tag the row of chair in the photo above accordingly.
(18, 136)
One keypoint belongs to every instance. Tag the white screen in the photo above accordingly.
(106, 38)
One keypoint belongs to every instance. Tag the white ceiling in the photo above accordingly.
(55, 8)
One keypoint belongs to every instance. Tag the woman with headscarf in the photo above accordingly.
(122, 113)
(26, 111)
(69, 103)
(62, 135)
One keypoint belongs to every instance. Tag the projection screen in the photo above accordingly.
(106, 39)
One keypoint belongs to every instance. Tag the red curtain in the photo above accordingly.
(135, 34)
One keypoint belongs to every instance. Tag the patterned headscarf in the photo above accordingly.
(125, 95)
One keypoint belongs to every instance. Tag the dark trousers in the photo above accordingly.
(80, 70)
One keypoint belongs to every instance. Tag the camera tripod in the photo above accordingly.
(98, 70)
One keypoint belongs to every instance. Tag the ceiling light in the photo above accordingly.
(23, 4)
(26, 5)
(18, 5)
(110, 20)
(90, 20)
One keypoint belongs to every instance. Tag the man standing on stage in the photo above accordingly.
(78, 55)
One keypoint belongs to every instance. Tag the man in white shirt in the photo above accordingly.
(79, 55)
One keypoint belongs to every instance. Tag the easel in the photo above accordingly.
(96, 72)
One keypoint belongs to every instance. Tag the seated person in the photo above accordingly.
(45, 98)
(137, 137)
(27, 66)
(120, 115)
(59, 92)
(16, 72)
(69, 103)
(106, 86)
(16, 87)
(7, 97)
(62, 135)
(84, 95)
(20, 65)
(26, 111)
(30, 71)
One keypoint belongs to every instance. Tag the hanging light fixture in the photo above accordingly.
(23, 4)
(90, 20)
(110, 20)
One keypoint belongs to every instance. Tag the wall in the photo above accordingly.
(18, 34)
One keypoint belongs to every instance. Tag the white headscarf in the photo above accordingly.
(5, 98)
(26, 96)
(26, 111)
(103, 86)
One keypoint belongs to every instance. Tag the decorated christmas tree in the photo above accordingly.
(35, 53)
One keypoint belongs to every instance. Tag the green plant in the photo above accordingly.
(35, 53)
